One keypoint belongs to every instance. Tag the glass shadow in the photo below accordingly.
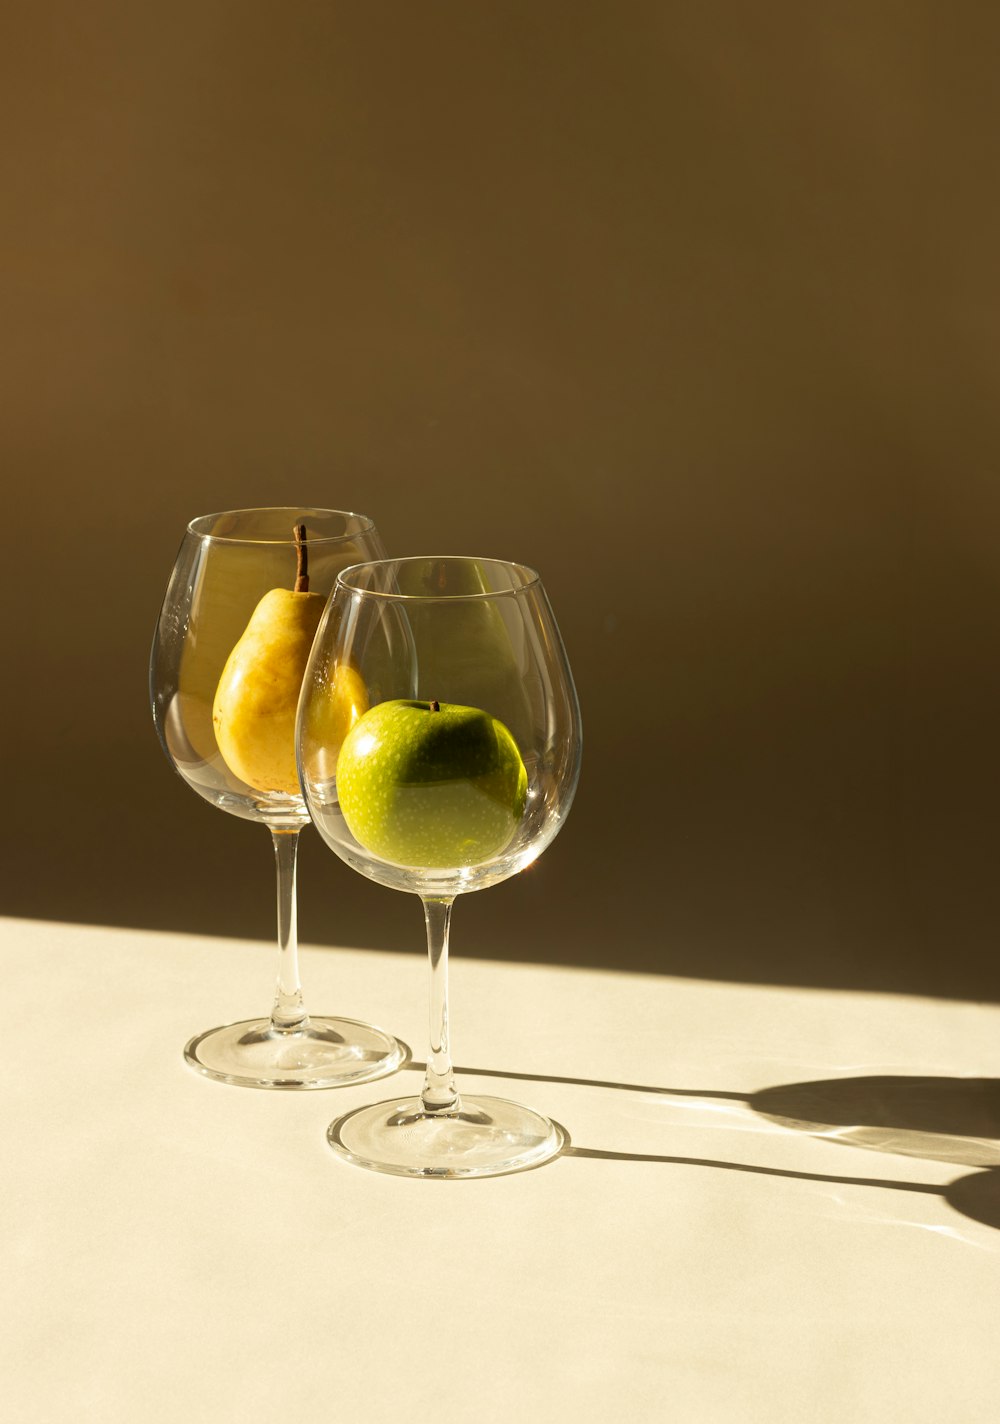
(940, 1118)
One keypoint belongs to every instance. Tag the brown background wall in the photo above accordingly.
(693, 307)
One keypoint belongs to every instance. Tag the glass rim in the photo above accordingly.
(531, 578)
(365, 525)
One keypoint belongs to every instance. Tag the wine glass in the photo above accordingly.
(246, 593)
(458, 775)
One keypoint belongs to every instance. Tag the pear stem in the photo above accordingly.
(435, 705)
(302, 560)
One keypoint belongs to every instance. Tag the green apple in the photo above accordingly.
(430, 785)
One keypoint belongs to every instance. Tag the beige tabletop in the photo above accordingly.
(776, 1204)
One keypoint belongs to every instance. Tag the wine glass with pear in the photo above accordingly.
(458, 774)
(242, 605)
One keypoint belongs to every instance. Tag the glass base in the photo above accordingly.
(326, 1053)
(480, 1137)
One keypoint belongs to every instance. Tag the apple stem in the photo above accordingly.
(302, 560)
(435, 705)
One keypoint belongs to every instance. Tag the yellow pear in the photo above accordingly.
(256, 701)
(258, 693)
(330, 717)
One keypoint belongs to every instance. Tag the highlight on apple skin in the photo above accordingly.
(431, 785)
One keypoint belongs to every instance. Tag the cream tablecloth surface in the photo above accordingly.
(777, 1204)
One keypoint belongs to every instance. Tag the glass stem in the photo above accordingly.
(439, 1092)
(288, 1014)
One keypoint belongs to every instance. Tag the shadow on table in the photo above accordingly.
(941, 1119)
(572, 1151)
(937, 1118)
(944, 1119)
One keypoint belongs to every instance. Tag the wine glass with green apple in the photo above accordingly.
(458, 774)
(242, 605)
